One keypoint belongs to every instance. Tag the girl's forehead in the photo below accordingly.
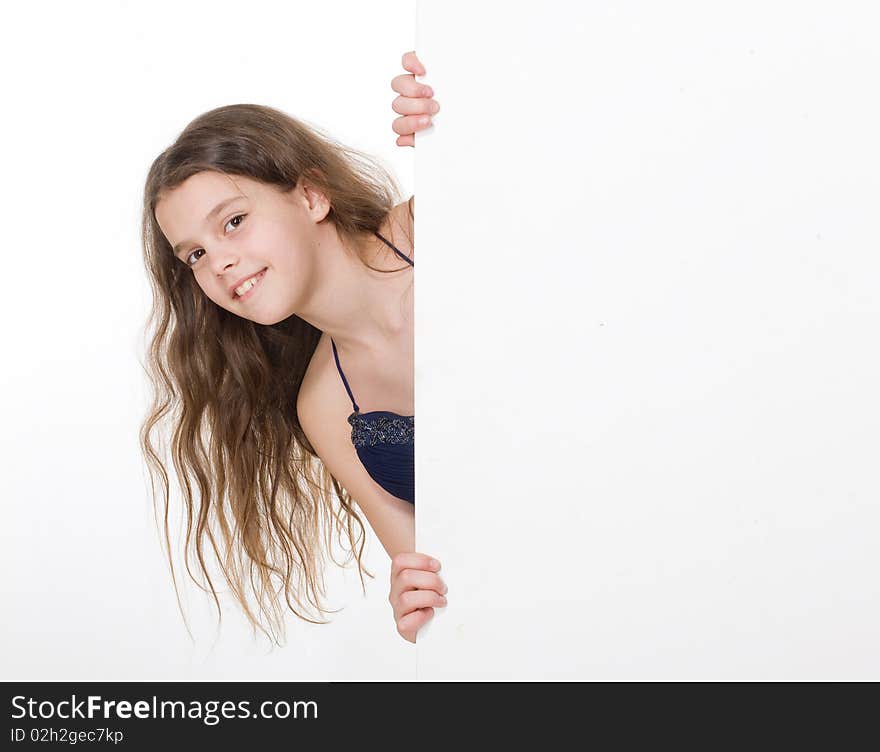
(199, 194)
(204, 187)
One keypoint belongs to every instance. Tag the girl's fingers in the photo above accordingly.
(417, 600)
(413, 599)
(408, 124)
(410, 624)
(411, 63)
(407, 85)
(411, 560)
(412, 106)
(413, 608)
(417, 579)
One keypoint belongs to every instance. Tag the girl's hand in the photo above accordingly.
(414, 103)
(415, 588)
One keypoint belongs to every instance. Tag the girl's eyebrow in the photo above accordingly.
(216, 210)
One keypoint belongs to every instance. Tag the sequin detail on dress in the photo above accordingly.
(370, 429)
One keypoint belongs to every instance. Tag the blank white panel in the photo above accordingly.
(647, 339)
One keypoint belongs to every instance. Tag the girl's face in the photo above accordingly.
(228, 229)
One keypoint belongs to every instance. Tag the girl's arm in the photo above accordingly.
(392, 519)
(416, 588)
(415, 104)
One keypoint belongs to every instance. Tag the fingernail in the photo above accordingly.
(435, 563)
(435, 107)
(424, 120)
(428, 91)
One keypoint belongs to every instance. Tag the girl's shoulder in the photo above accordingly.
(317, 383)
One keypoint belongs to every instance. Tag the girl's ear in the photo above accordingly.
(311, 186)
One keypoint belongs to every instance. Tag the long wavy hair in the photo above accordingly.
(253, 486)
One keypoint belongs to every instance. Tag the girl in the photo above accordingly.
(280, 308)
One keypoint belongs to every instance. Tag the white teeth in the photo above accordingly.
(242, 289)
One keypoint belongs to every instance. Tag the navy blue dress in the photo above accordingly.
(384, 441)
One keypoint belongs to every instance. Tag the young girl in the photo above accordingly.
(281, 268)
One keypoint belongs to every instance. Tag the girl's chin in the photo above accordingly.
(266, 317)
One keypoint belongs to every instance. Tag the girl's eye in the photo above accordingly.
(190, 256)
(237, 216)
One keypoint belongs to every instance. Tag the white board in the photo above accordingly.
(647, 339)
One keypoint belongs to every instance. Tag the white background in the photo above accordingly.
(92, 93)
(647, 339)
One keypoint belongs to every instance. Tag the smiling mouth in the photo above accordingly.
(257, 279)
